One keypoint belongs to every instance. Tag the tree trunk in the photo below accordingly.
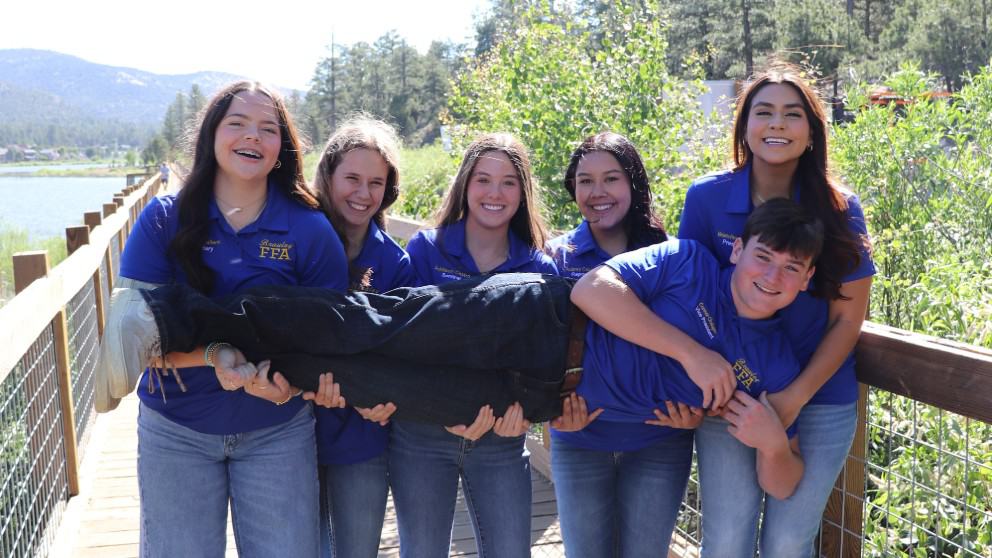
(868, 19)
(850, 8)
(748, 55)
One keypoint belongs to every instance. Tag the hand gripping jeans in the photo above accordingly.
(438, 352)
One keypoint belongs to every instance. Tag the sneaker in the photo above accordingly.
(130, 342)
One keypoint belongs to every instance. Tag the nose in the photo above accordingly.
(773, 274)
(251, 132)
(777, 121)
(363, 189)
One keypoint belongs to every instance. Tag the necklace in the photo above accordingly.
(239, 217)
(760, 199)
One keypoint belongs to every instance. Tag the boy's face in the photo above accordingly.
(765, 281)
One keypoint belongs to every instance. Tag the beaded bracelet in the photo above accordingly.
(211, 351)
(291, 396)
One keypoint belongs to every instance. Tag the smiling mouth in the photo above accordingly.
(776, 141)
(358, 206)
(250, 153)
(766, 291)
(493, 207)
(602, 206)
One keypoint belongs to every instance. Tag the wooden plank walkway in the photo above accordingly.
(102, 521)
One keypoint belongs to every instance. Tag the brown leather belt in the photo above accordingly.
(576, 345)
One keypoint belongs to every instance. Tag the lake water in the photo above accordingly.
(45, 206)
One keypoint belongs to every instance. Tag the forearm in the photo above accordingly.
(780, 469)
(609, 302)
(178, 359)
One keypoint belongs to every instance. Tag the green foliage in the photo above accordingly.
(389, 79)
(426, 174)
(924, 173)
(546, 85)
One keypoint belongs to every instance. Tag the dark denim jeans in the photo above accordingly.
(438, 352)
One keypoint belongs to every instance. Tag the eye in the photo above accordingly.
(585, 181)
(792, 269)
(795, 115)
(377, 184)
(763, 258)
(762, 112)
(270, 130)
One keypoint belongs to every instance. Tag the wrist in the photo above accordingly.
(291, 396)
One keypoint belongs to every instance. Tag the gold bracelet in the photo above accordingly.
(292, 395)
(211, 351)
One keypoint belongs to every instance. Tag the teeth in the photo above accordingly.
(602, 207)
(358, 206)
(249, 153)
(764, 290)
(492, 207)
(776, 141)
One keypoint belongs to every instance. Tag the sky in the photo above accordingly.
(278, 43)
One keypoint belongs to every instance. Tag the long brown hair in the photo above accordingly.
(819, 193)
(359, 132)
(194, 198)
(641, 223)
(526, 222)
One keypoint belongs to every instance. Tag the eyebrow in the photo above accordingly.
(611, 171)
(246, 117)
(478, 172)
(787, 105)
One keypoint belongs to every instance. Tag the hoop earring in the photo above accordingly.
(809, 147)
(279, 163)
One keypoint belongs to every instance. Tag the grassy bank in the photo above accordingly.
(13, 240)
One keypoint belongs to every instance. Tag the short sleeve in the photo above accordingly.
(694, 224)
(649, 271)
(419, 249)
(856, 223)
(146, 253)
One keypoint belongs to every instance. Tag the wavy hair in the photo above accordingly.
(641, 223)
(819, 193)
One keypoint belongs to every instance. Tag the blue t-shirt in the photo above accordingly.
(343, 435)
(440, 255)
(682, 283)
(288, 244)
(716, 208)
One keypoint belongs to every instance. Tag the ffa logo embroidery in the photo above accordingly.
(745, 376)
(704, 316)
(270, 250)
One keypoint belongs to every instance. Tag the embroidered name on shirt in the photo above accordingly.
(274, 250)
(726, 239)
(449, 273)
(208, 246)
(744, 374)
(707, 319)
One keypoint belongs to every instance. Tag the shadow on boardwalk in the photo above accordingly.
(102, 521)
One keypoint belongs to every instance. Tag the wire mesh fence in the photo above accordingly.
(84, 344)
(928, 483)
(33, 483)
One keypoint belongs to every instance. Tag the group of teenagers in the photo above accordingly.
(735, 338)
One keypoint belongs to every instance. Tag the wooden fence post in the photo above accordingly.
(109, 209)
(92, 219)
(29, 266)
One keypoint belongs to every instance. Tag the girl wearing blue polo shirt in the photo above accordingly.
(607, 180)
(633, 473)
(489, 223)
(780, 150)
(209, 438)
(357, 180)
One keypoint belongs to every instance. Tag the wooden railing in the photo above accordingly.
(49, 335)
(36, 327)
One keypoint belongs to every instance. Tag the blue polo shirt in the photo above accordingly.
(288, 244)
(682, 283)
(576, 252)
(440, 255)
(716, 208)
(343, 436)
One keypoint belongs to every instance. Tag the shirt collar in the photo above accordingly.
(583, 241)
(274, 217)
(373, 240)
(739, 200)
(454, 244)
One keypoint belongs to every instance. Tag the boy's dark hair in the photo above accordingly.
(785, 226)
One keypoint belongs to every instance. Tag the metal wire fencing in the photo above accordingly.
(33, 483)
(84, 344)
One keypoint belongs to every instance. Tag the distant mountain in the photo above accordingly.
(43, 92)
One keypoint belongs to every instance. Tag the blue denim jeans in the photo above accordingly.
(438, 352)
(732, 499)
(352, 508)
(425, 465)
(186, 480)
(620, 504)
(825, 436)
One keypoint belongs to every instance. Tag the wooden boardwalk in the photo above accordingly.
(102, 521)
